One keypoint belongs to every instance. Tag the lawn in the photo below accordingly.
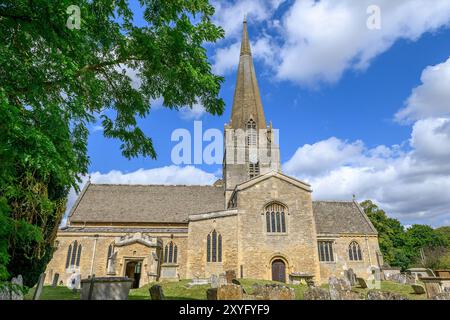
(180, 291)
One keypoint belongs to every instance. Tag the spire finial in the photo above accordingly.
(245, 45)
(245, 18)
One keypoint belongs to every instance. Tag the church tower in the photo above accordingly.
(251, 148)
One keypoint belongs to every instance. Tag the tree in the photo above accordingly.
(57, 78)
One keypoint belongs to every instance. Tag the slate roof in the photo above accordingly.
(334, 217)
(175, 203)
(145, 203)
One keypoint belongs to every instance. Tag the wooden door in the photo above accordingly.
(278, 271)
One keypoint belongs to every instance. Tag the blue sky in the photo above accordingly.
(335, 94)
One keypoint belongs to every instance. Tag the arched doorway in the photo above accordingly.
(278, 270)
(133, 271)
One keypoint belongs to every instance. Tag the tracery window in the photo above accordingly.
(275, 217)
(73, 255)
(214, 247)
(170, 253)
(354, 251)
(326, 251)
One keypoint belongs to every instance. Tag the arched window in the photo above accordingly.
(170, 253)
(73, 255)
(326, 251)
(354, 251)
(251, 133)
(214, 247)
(275, 218)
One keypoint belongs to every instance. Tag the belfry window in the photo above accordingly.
(214, 247)
(253, 169)
(170, 253)
(354, 251)
(275, 218)
(73, 255)
(326, 251)
(251, 133)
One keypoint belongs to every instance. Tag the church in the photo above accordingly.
(256, 221)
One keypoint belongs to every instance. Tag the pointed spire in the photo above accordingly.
(247, 100)
(245, 44)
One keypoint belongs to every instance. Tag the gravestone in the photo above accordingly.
(418, 289)
(314, 293)
(230, 292)
(39, 286)
(16, 294)
(156, 292)
(230, 275)
(273, 292)
(384, 295)
(340, 289)
(214, 281)
(433, 289)
(351, 277)
(222, 279)
(362, 283)
(55, 280)
(211, 294)
(442, 296)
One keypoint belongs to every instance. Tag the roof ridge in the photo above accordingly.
(153, 185)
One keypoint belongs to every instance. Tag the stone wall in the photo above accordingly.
(369, 247)
(197, 266)
(258, 248)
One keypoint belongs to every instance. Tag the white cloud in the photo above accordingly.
(194, 113)
(411, 181)
(432, 97)
(317, 41)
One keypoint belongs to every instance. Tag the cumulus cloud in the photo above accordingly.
(432, 97)
(410, 180)
(194, 113)
(317, 41)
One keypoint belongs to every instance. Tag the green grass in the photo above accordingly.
(180, 291)
(57, 293)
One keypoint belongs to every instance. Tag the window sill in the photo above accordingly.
(170, 265)
(277, 233)
(328, 262)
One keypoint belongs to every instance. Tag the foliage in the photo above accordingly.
(56, 81)
(402, 248)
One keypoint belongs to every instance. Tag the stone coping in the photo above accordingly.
(108, 279)
(434, 279)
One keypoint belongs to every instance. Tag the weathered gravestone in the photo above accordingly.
(442, 296)
(211, 294)
(340, 289)
(230, 275)
(230, 292)
(418, 289)
(16, 293)
(351, 277)
(433, 289)
(273, 292)
(39, 286)
(384, 295)
(55, 280)
(314, 293)
(156, 292)
(362, 283)
(222, 279)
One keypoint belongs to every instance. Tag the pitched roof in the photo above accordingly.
(145, 203)
(247, 99)
(337, 217)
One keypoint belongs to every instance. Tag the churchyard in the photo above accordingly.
(182, 291)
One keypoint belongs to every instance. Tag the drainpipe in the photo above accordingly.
(93, 254)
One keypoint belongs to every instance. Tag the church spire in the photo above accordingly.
(247, 100)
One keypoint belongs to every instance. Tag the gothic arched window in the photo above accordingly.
(275, 217)
(354, 251)
(326, 251)
(214, 247)
(251, 133)
(73, 255)
(170, 253)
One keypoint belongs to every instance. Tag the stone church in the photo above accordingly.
(256, 221)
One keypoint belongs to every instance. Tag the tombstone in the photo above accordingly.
(74, 281)
(230, 275)
(273, 292)
(16, 293)
(362, 283)
(340, 289)
(433, 289)
(314, 293)
(214, 281)
(230, 292)
(55, 280)
(418, 289)
(222, 279)
(39, 287)
(156, 292)
(351, 277)
(384, 295)
(442, 296)
(211, 294)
